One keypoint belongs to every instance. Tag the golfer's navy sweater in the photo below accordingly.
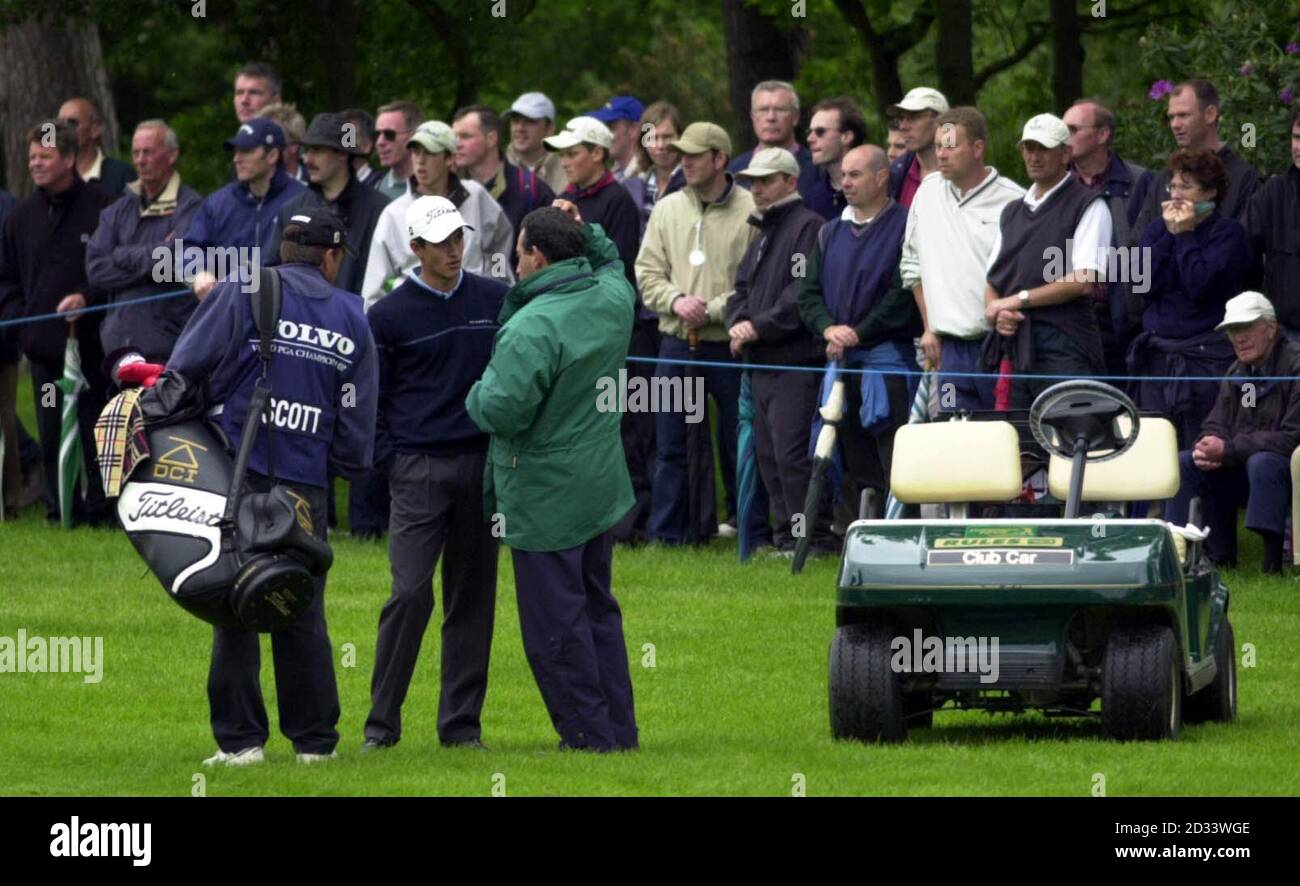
(432, 347)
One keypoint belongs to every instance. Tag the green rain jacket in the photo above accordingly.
(556, 471)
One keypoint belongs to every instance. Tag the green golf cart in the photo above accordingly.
(1045, 613)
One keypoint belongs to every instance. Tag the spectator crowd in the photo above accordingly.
(822, 249)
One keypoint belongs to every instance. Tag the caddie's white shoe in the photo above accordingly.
(246, 757)
(317, 758)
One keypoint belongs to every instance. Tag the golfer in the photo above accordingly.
(556, 474)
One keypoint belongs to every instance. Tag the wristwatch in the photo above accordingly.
(1023, 295)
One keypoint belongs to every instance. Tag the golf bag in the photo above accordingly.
(235, 559)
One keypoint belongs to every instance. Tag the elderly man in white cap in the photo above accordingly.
(1243, 456)
(1050, 248)
(532, 119)
(436, 330)
(488, 236)
(916, 118)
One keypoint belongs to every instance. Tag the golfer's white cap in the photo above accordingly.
(1246, 308)
(581, 131)
(433, 219)
(1047, 130)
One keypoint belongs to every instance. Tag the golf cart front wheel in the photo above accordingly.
(1141, 691)
(866, 695)
(1218, 701)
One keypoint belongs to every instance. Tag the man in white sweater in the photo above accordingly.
(488, 235)
(951, 228)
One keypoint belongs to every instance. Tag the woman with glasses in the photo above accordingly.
(1195, 259)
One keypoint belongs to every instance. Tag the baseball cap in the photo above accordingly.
(701, 137)
(620, 107)
(1048, 130)
(770, 161)
(327, 131)
(922, 98)
(255, 133)
(433, 219)
(1246, 308)
(434, 136)
(534, 106)
(581, 131)
(317, 227)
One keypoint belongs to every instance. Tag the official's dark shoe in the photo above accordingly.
(374, 744)
(469, 744)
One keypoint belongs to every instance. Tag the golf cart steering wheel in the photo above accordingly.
(1083, 412)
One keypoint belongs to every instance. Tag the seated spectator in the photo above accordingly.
(93, 165)
(487, 230)
(1199, 260)
(1243, 456)
(155, 211)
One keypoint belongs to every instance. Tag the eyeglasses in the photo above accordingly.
(767, 110)
(1185, 188)
(820, 131)
(391, 134)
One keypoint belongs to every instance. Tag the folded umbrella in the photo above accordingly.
(72, 467)
(746, 470)
(823, 455)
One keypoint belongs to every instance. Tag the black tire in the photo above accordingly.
(1142, 693)
(866, 696)
(1218, 701)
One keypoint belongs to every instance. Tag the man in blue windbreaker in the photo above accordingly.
(324, 386)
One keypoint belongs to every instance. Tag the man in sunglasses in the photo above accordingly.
(394, 125)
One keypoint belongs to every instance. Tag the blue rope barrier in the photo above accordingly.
(91, 309)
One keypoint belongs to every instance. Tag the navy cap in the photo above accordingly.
(620, 107)
(258, 132)
(317, 226)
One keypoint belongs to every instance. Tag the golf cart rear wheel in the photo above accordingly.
(1141, 691)
(866, 695)
(1218, 701)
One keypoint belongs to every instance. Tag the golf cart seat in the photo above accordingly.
(952, 462)
(1146, 472)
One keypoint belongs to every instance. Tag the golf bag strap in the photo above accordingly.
(266, 312)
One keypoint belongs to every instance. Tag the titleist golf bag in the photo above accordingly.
(233, 558)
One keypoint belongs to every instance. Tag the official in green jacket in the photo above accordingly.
(556, 477)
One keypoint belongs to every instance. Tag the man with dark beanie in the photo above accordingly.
(434, 337)
(1050, 249)
(764, 325)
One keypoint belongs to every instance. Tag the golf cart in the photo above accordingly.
(1055, 612)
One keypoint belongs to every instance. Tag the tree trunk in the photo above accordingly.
(338, 52)
(1067, 54)
(758, 49)
(953, 52)
(46, 62)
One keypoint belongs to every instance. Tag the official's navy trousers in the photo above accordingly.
(573, 637)
(305, 689)
(1263, 485)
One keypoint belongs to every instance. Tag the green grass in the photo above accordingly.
(736, 702)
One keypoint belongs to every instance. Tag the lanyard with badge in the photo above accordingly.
(697, 258)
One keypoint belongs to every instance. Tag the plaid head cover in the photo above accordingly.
(120, 440)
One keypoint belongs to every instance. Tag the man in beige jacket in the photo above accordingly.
(686, 269)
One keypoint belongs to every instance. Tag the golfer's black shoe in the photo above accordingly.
(472, 744)
(374, 744)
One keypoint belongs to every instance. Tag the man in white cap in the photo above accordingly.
(916, 117)
(488, 236)
(763, 322)
(1243, 456)
(687, 271)
(532, 119)
(1050, 249)
(434, 335)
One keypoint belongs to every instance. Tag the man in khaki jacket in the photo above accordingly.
(686, 269)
